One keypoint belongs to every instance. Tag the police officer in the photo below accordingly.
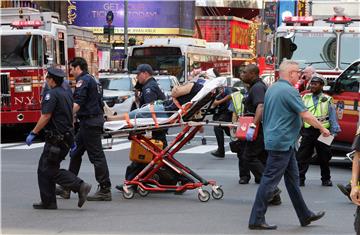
(321, 106)
(57, 120)
(88, 107)
(150, 92)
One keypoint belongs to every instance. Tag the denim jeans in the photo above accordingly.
(279, 163)
(144, 112)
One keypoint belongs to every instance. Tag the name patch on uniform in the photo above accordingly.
(79, 83)
(47, 96)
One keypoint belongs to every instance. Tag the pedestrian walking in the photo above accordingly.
(322, 107)
(57, 120)
(283, 110)
(88, 107)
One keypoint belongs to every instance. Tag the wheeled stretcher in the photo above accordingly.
(190, 118)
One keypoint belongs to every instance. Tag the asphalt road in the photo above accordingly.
(162, 213)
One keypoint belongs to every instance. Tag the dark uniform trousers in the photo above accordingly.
(306, 150)
(49, 173)
(254, 155)
(244, 172)
(219, 131)
(88, 139)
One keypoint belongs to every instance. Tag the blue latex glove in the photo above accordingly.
(73, 148)
(30, 138)
(250, 134)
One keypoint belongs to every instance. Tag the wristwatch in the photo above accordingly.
(252, 125)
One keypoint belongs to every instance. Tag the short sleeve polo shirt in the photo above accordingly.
(281, 119)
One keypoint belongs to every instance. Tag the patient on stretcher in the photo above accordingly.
(163, 109)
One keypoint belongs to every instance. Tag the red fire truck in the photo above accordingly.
(31, 41)
(330, 46)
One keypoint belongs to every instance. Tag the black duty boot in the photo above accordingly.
(40, 205)
(83, 192)
(62, 192)
(218, 154)
(102, 194)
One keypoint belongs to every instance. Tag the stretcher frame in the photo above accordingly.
(191, 121)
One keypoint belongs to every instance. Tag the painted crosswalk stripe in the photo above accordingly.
(24, 146)
(229, 153)
(9, 145)
(200, 149)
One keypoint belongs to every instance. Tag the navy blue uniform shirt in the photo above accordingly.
(151, 92)
(59, 102)
(88, 94)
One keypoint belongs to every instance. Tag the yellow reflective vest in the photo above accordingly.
(320, 111)
(238, 101)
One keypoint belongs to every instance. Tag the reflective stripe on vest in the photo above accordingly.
(237, 99)
(321, 111)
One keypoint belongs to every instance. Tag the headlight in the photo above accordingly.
(23, 88)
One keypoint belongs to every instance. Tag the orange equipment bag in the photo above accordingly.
(140, 155)
(243, 127)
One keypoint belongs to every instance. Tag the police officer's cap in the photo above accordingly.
(143, 68)
(55, 72)
(318, 79)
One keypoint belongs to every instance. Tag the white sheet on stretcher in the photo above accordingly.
(209, 85)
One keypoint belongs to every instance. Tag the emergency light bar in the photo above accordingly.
(27, 23)
(339, 20)
(302, 20)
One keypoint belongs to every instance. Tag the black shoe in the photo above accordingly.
(244, 181)
(40, 205)
(327, 183)
(302, 183)
(218, 154)
(120, 187)
(263, 226)
(313, 218)
(62, 192)
(345, 190)
(83, 192)
(102, 194)
(276, 200)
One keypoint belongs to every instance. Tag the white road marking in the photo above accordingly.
(9, 145)
(200, 149)
(24, 146)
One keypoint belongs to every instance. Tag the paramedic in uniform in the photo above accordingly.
(150, 92)
(57, 120)
(321, 106)
(88, 107)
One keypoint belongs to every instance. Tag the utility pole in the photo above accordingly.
(126, 36)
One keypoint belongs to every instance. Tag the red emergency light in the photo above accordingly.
(301, 20)
(339, 19)
(27, 23)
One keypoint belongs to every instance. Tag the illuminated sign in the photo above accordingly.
(141, 14)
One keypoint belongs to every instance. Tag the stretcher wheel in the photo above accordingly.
(142, 192)
(204, 198)
(217, 195)
(129, 195)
